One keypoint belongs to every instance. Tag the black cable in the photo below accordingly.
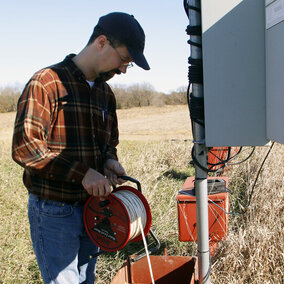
(236, 155)
(237, 163)
(186, 9)
(254, 184)
(193, 30)
(195, 161)
(221, 161)
(195, 70)
(194, 61)
(190, 7)
(195, 74)
(230, 158)
(257, 176)
(196, 107)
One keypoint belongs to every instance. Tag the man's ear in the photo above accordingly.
(101, 41)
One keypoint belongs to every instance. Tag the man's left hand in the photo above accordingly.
(112, 169)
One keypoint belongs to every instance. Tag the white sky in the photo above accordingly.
(36, 34)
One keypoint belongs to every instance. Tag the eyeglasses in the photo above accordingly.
(123, 62)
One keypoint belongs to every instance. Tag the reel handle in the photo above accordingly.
(132, 180)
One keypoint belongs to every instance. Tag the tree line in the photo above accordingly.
(136, 95)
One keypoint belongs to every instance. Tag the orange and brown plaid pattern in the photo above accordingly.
(62, 128)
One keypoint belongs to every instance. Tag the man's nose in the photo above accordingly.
(123, 69)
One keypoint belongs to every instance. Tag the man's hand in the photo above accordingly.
(96, 184)
(112, 169)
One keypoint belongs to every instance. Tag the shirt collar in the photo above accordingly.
(73, 67)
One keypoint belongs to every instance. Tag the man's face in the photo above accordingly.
(120, 59)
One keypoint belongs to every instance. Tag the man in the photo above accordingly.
(65, 137)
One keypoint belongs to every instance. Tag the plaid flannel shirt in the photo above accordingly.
(62, 128)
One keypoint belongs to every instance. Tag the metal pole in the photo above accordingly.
(200, 153)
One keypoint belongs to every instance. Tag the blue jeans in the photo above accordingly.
(60, 242)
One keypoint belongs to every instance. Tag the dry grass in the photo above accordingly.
(253, 250)
(6, 125)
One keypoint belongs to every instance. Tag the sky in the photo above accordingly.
(36, 34)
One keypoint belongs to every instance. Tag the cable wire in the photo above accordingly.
(135, 209)
(258, 174)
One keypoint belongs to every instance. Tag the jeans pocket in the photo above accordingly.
(55, 209)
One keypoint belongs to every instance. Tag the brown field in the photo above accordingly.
(154, 123)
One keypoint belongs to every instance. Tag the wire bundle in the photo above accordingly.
(135, 209)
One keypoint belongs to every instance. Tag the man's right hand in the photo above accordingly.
(96, 184)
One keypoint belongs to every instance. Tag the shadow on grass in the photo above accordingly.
(173, 174)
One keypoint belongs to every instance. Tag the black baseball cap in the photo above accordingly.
(126, 29)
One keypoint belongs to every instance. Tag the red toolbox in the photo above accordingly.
(218, 204)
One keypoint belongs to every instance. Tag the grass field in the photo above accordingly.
(155, 149)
